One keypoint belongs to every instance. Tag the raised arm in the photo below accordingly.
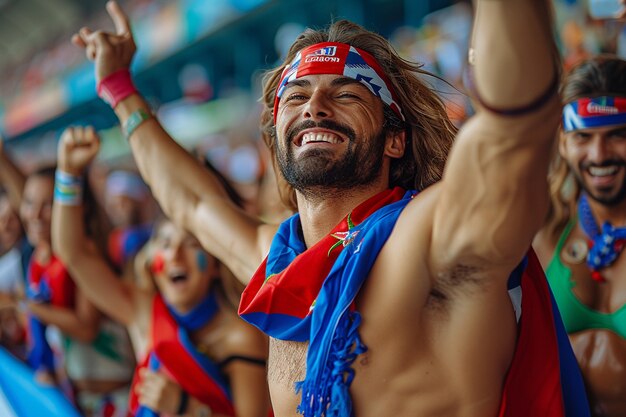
(70, 242)
(188, 195)
(80, 322)
(12, 178)
(494, 195)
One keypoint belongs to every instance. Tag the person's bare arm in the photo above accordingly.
(12, 177)
(86, 265)
(80, 322)
(494, 195)
(194, 199)
(248, 381)
(187, 193)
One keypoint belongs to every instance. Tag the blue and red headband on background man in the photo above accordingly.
(340, 59)
(587, 112)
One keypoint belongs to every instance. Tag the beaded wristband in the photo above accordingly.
(135, 119)
(68, 189)
(115, 87)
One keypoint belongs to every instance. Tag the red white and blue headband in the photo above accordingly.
(340, 59)
(586, 113)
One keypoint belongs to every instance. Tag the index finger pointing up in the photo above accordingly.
(120, 20)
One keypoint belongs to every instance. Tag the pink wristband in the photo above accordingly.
(115, 87)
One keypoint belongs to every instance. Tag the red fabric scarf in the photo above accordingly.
(180, 364)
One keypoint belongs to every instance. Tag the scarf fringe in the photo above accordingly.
(325, 389)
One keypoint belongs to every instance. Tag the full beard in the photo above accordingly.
(608, 197)
(318, 174)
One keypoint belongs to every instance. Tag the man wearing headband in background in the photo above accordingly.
(581, 244)
(381, 301)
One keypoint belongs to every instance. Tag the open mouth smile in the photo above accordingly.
(177, 276)
(309, 137)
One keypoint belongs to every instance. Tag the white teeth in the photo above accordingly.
(176, 272)
(603, 171)
(320, 137)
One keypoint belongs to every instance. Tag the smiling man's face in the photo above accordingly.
(330, 134)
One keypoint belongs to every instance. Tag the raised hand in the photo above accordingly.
(109, 51)
(158, 392)
(77, 148)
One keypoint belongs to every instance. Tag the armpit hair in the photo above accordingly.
(461, 278)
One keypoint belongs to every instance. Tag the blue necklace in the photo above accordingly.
(605, 245)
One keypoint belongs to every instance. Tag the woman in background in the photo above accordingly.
(197, 357)
(92, 353)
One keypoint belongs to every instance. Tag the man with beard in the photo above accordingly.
(382, 301)
(580, 246)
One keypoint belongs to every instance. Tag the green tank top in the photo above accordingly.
(576, 315)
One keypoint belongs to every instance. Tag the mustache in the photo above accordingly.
(294, 130)
(607, 163)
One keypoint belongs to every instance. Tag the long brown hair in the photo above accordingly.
(429, 131)
(600, 76)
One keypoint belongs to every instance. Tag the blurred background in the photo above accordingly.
(200, 64)
(200, 61)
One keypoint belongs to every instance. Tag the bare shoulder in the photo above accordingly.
(406, 248)
(244, 339)
(400, 282)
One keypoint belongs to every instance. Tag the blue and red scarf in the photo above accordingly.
(302, 294)
(174, 353)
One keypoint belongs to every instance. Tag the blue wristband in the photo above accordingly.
(68, 189)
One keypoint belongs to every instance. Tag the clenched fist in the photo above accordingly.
(77, 148)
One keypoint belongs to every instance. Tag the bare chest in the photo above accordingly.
(286, 366)
(287, 362)
(602, 358)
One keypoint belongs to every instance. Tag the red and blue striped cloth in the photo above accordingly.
(544, 378)
(592, 112)
(174, 353)
(339, 59)
(302, 294)
(49, 284)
